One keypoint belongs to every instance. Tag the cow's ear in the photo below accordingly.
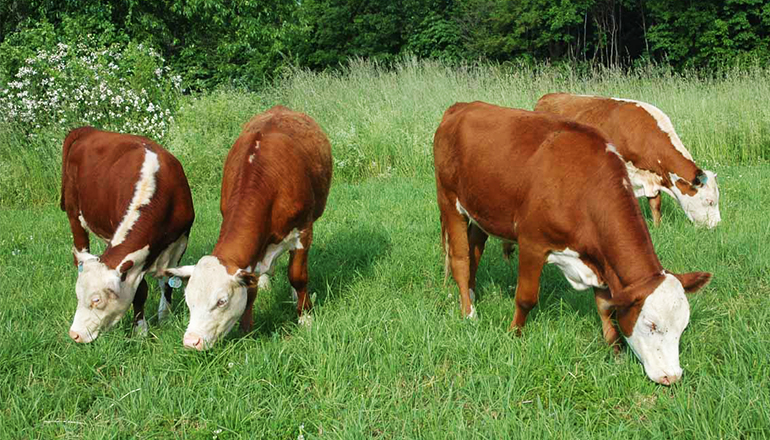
(700, 179)
(693, 281)
(181, 272)
(636, 292)
(246, 279)
(124, 268)
(83, 256)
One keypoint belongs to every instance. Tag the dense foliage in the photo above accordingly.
(246, 42)
(122, 87)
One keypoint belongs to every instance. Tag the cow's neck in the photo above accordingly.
(113, 256)
(243, 238)
(625, 254)
(677, 164)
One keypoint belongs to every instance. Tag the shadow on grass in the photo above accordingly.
(334, 265)
(555, 291)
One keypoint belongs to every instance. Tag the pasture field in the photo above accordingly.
(388, 355)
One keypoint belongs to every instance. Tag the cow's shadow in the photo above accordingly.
(555, 291)
(336, 261)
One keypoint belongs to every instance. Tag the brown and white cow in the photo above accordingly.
(276, 181)
(558, 189)
(655, 157)
(134, 195)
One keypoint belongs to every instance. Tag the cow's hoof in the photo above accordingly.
(141, 328)
(306, 320)
(472, 315)
(264, 282)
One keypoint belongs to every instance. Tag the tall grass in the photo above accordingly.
(381, 121)
(389, 355)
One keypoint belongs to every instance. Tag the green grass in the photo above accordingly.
(388, 355)
(381, 122)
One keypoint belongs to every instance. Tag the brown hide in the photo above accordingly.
(100, 170)
(634, 132)
(276, 178)
(549, 184)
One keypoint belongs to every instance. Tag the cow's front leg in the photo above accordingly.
(247, 318)
(655, 209)
(611, 334)
(531, 263)
(79, 236)
(140, 324)
(298, 278)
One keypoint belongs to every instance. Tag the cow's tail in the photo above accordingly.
(445, 248)
(72, 136)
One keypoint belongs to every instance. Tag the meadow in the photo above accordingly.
(388, 355)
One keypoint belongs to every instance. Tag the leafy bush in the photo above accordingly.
(121, 87)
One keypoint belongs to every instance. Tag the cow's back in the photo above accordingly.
(281, 154)
(504, 164)
(642, 133)
(100, 173)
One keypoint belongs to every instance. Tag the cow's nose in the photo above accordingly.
(669, 379)
(75, 336)
(191, 340)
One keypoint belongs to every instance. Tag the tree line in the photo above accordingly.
(247, 42)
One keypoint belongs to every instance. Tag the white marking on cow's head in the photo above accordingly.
(703, 207)
(104, 295)
(655, 336)
(143, 192)
(215, 298)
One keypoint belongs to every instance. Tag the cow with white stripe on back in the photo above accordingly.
(655, 157)
(134, 195)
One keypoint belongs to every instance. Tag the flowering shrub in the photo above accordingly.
(123, 88)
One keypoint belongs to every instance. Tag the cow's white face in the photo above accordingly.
(103, 297)
(215, 298)
(655, 337)
(703, 207)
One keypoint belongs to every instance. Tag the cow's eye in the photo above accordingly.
(221, 302)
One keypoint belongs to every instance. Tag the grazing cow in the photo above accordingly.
(134, 195)
(276, 180)
(557, 188)
(654, 155)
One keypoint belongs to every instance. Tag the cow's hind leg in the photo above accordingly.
(476, 241)
(298, 277)
(610, 333)
(456, 226)
(508, 248)
(655, 209)
(531, 263)
(140, 324)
